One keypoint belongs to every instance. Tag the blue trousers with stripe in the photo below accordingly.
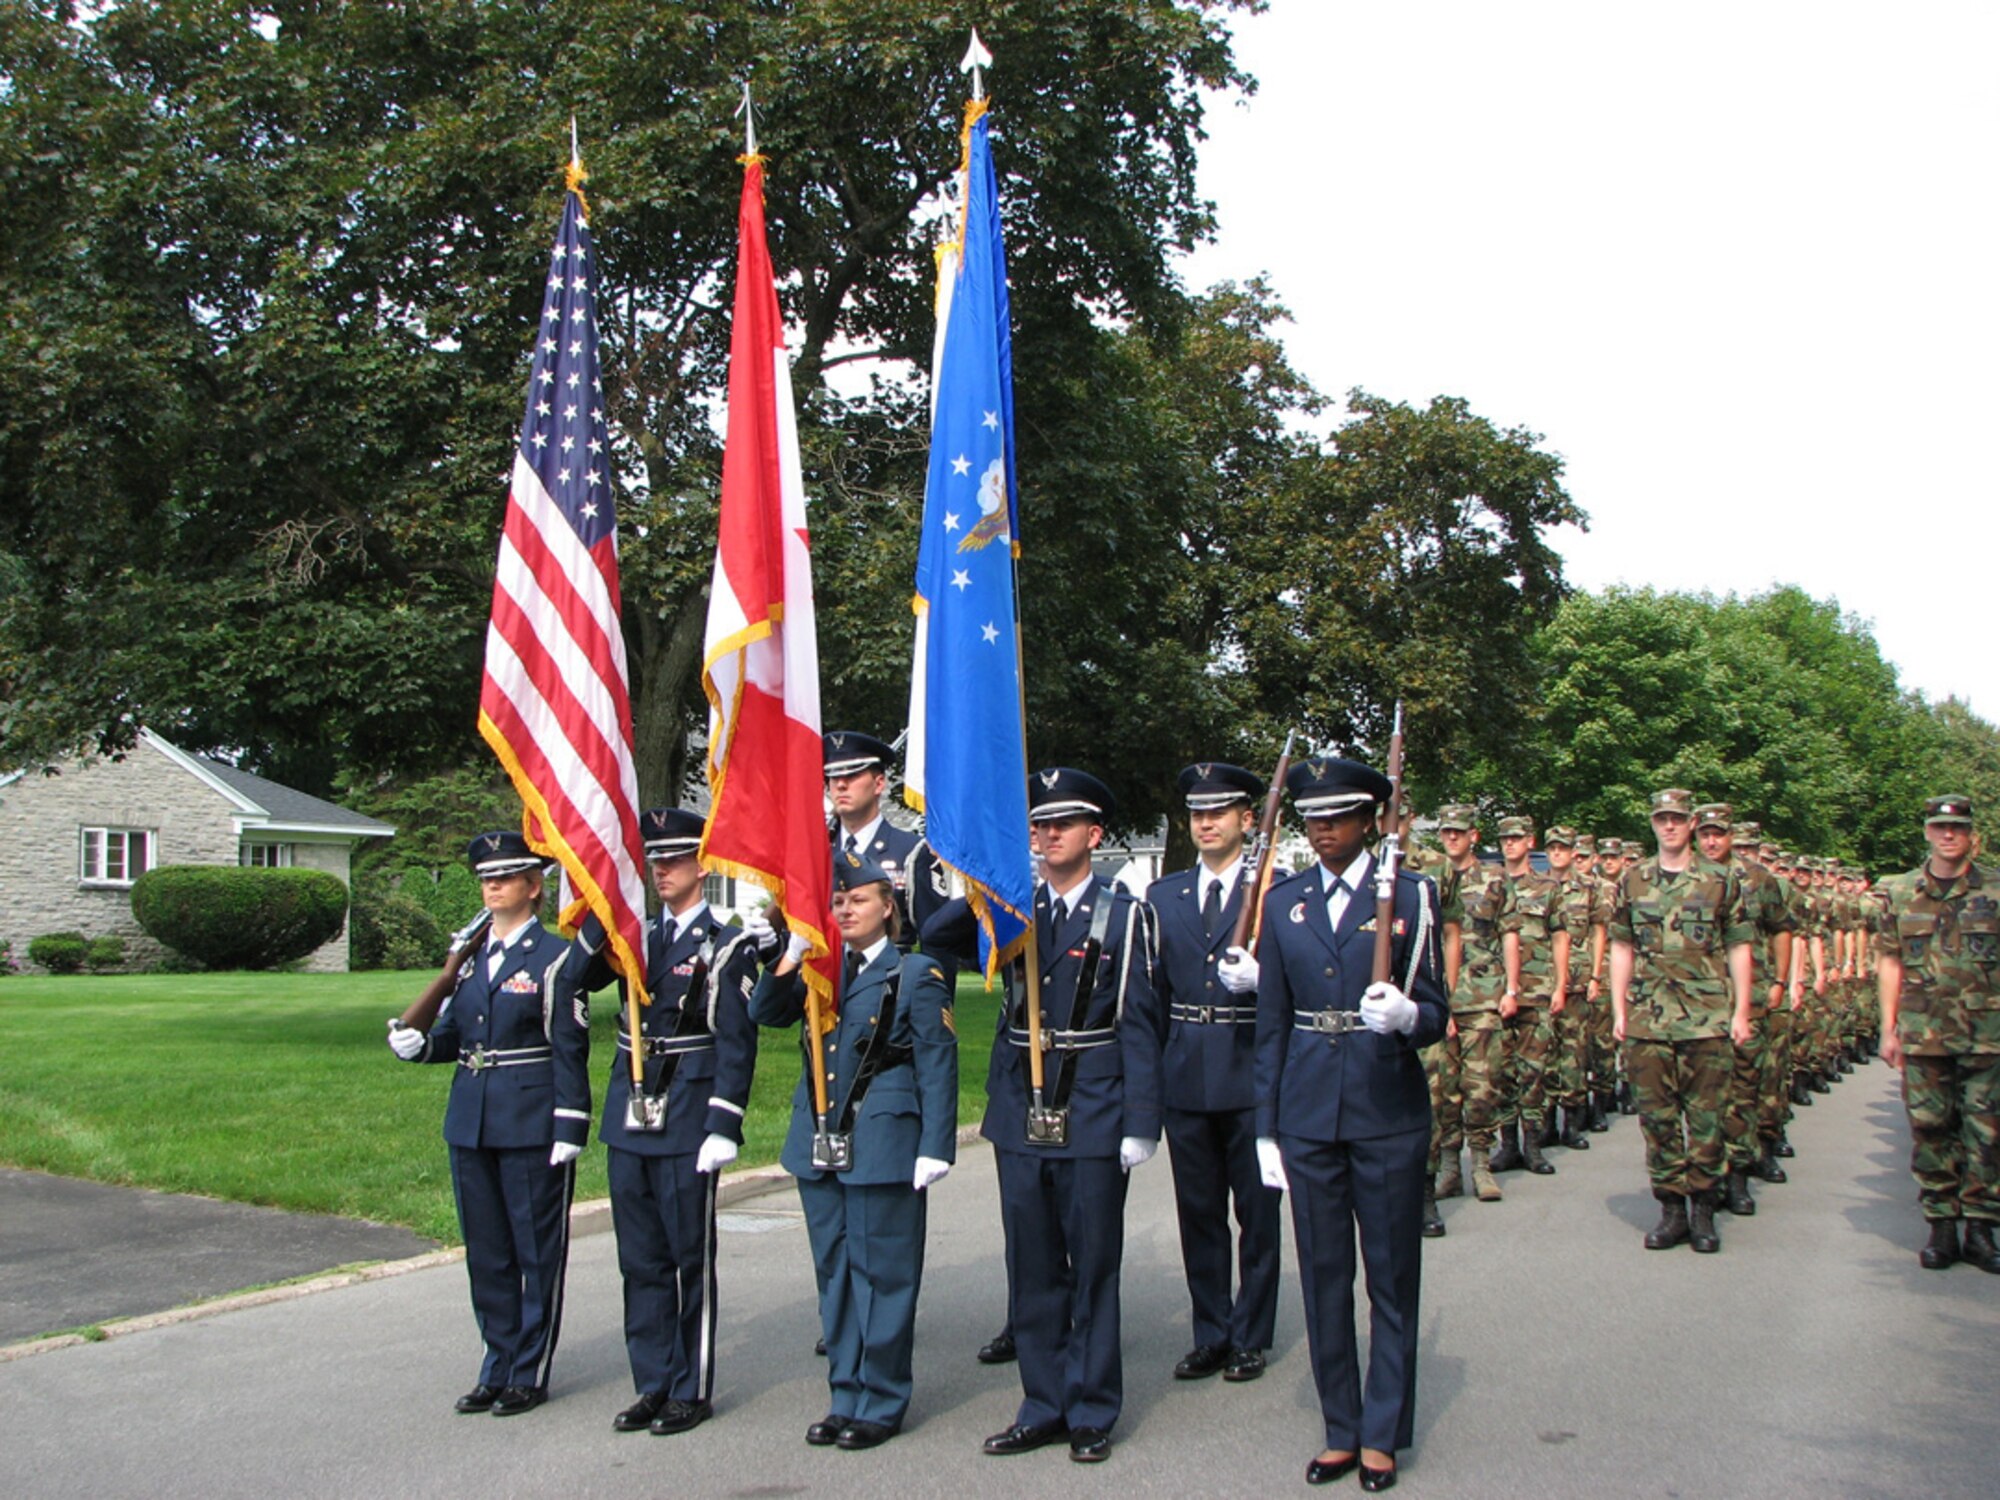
(513, 1209)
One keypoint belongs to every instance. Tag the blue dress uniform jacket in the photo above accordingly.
(523, 1082)
(867, 1224)
(662, 1210)
(1208, 1066)
(1351, 1114)
(1063, 1207)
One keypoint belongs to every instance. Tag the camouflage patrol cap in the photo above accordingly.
(1673, 800)
(1585, 844)
(1748, 830)
(1769, 849)
(1714, 815)
(1949, 809)
(1517, 827)
(1562, 834)
(1611, 848)
(1457, 817)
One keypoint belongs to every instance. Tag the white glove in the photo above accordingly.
(761, 933)
(1384, 1009)
(929, 1170)
(1135, 1152)
(717, 1151)
(1271, 1166)
(562, 1153)
(1238, 971)
(797, 947)
(405, 1041)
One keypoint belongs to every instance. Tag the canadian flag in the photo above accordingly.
(760, 657)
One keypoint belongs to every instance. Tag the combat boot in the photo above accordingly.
(1506, 1156)
(1531, 1155)
(1449, 1181)
(1485, 1186)
(1545, 1134)
(1702, 1238)
(1816, 1081)
(1597, 1123)
(1433, 1225)
(1626, 1104)
(1801, 1095)
(1737, 1194)
(1783, 1147)
(1672, 1229)
(1572, 1129)
(1843, 1060)
(1941, 1254)
(1767, 1168)
(1980, 1250)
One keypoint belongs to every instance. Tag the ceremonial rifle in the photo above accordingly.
(423, 1011)
(1391, 857)
(1250, 919)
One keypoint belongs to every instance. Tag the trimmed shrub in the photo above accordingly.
(235, 917)
(105, 953)
(58, 952)
(394, 932)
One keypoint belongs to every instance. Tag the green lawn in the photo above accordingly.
(277, 1089)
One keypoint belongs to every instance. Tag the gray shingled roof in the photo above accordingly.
(287, 808)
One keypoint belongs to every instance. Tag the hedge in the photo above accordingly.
(59, 952)
(235, 917)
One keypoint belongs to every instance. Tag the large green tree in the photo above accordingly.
(270, 272)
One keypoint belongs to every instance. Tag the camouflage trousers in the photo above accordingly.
(1743, 1126)
(1954, 1107)
(1682, 1091)
(1569, 1063)
(1774, 1091)
(1478, 1078)
(1526, 1043)
(1603, 1049)
(1441, 1067)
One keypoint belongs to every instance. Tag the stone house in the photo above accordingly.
(71, 845)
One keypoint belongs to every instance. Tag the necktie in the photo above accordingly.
(1211, 908)
(853, 967)
(847, 846)
(495, 954)
(1336, 903)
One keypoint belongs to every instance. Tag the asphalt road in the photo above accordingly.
(1811, 1357)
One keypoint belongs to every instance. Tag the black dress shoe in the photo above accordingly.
(1201, 1362)
(1025, 1437)
(1321, 1472)
(1089, 1445)
(819, 1347)
(858, 1434)
(679, 1416)
(1244, 1364)
(998, 1350)
(639, 1415)
(1980, 1250)
(1374, 1481)
(826, 1431)
(518, 1398)
(479, 1398)
(1941, 1254)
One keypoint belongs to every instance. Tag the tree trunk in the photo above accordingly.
(665, 668)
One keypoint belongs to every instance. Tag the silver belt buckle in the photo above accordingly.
(1205, 1014)
(477, 1060)
(645, 1111)
(1048, 1127)
(832, 1150)
(1332, 1022)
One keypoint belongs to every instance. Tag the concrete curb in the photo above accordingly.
(592, 1217)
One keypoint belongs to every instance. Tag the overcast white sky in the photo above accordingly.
(1736, 261)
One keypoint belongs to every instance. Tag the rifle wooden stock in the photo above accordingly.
(1250, 919)
(423, 1011)
(1390, 858)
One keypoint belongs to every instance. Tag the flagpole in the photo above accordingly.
(977, 59)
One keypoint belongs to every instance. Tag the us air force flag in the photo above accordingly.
(965, 724)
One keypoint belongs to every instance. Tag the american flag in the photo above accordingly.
(554, 703)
